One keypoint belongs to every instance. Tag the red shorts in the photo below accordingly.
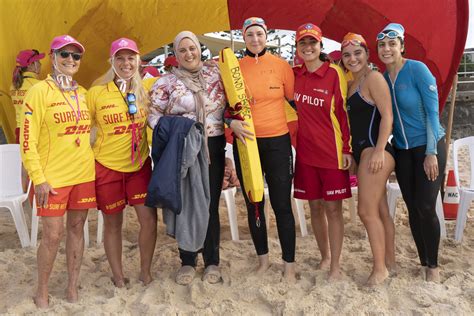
(313, 183)
(115, 189)
(74, 197)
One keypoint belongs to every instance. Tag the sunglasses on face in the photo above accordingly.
(132, 107)
(389, 34)
(65, 54)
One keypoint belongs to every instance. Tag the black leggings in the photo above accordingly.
(420, 196)
(210, 252)
(277, 163)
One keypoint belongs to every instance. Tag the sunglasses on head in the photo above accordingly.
(389, 34)
(66, 54)
(354, 42)
(132, 107)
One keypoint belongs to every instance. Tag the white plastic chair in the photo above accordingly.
(100, 225)
(394, 192)
(296, 204)
(229, 196)
(35, 222)
(352, 207)
(11, 190)
(466, 194)
(299, 203)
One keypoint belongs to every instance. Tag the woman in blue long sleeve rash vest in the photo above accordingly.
(418, 139)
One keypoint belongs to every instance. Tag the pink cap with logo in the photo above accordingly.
(123, 43)
(27, 57)
(64, 40)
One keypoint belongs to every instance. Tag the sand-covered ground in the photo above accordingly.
(242, 293)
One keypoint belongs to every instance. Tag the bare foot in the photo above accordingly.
(145, 278)
(432, 275)
(335, 275)
(120, 283)
(290, 272)
(393, 268)
(377, 277)
(72, 295)
(324, 264)
(41, 301)
(263, 264)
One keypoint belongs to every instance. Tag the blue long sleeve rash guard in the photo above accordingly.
(415, 107)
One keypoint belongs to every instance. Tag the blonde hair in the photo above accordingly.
(136, 85)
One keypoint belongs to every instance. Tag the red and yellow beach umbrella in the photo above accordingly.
(435, 30)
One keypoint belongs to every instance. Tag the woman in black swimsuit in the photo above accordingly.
(370, 116)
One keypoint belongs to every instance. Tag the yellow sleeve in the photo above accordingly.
(91, 97)
(31, 118)
(148, 83)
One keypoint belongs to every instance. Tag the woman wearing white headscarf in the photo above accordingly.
(194, 90)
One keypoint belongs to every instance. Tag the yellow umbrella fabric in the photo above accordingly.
(27, 24)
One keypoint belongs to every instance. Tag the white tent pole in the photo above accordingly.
(231, 40)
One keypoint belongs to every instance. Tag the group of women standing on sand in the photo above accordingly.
(341, 125)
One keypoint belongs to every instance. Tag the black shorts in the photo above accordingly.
(358, 149)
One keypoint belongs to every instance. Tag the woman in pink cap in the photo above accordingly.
(56, 152)
(25, 75)
(324, 150)
(371, 119)
(118, 104)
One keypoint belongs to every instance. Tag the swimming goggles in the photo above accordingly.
(354, 42)
(252, 21)
(132, 107)
(389, 34)
(65, 54)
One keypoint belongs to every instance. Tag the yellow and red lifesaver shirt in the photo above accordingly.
(113, 145)
(18, 95)
(323, 130)
(55, 147)
(269, 80)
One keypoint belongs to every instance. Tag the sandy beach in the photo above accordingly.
(240, 292)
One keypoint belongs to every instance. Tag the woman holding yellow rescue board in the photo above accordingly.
(269, 81)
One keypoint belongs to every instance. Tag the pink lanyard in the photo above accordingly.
(135, 142)
(78, 113)
(135, 135)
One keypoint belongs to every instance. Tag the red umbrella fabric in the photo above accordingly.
(435, 30)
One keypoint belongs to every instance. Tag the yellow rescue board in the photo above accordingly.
(236, 94)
